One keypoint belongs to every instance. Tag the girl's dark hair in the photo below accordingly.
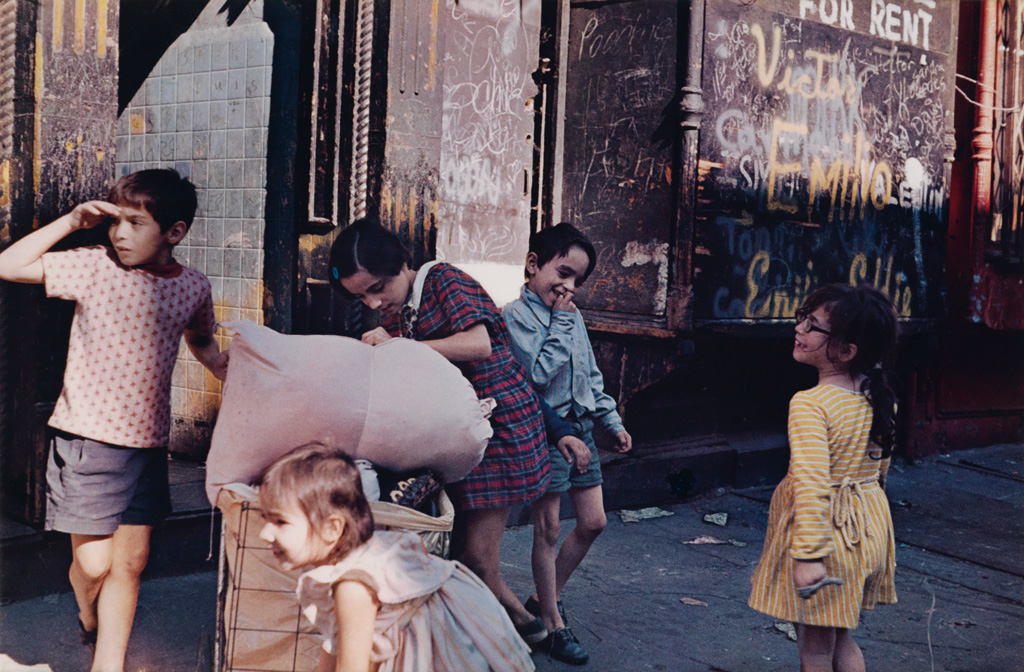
(322, 481)
(556, 241)
(367, 245)
(863, 316)
(162, 192)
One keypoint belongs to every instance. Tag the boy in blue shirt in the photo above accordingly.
(550, 340)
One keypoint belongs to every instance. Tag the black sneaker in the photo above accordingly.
(533, 606)
(88, 637)
(533, 633)
(562, 645)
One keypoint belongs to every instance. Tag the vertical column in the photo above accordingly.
(58, 117)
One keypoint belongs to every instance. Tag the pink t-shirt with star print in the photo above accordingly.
(124, 342)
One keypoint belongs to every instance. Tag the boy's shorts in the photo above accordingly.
(564, 475)
(95, 487)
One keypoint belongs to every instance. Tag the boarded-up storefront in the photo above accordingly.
(825, 146)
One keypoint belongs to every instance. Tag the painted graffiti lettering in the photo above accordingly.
(810, 87)
(895, 286)
(775, 168)
(777, 275)
(891, 22)
(830, 11)
(774, 291)
(825, 78)
(832, 143)
(471, 179)
(770, 294)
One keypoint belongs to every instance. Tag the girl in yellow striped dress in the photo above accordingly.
(829, 517)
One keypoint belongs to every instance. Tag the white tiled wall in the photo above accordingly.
(204, 111)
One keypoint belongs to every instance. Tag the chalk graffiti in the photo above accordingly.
(639, 254)
(620, 76)
(799, 82)
(615, 38)
(486, 121)
(819, 141)
(471, 179)
(826, 155)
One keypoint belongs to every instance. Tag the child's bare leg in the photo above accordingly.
(590, 523)
(90, 565)
(546, 530)
(848, 656)
(817, 646)
(119, 595)
(482, 554)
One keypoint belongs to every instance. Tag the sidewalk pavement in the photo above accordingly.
(648, 597)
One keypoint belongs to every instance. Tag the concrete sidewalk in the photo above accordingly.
(644, 599)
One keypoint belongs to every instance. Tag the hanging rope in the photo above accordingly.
(361, 131)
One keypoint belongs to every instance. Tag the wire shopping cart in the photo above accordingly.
(260, 627)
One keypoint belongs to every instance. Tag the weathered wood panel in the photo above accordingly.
(490, 52)
(64, 77)
(824, 152)
(620, 73)
(412, 155)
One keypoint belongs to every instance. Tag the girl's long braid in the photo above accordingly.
(883, 402)
(872, 326)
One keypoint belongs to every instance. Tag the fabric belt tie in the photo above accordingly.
(848, 508)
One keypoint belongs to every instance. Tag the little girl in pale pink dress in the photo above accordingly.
(379, 599)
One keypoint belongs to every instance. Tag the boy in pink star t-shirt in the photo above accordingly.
(107, 469)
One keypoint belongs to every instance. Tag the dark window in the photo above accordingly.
(1005, 242)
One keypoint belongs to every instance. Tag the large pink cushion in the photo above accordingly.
(399, 405)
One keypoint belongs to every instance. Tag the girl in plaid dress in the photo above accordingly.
(456, 317)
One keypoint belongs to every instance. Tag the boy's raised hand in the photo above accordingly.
(22, 261)
(623, 442)
(564, 302)
(91, 214)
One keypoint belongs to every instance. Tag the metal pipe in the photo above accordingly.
(982, 140)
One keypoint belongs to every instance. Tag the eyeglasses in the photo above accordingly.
(810, 326)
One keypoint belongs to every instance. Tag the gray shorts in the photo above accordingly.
(564, 475)
(94, 487)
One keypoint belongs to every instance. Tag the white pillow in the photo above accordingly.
(399, 405)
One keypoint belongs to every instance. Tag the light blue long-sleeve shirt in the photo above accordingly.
(554, 348)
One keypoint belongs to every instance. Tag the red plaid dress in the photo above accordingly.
(515, 465)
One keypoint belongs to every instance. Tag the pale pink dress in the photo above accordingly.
(435, 614)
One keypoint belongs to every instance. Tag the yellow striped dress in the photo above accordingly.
(830, 505)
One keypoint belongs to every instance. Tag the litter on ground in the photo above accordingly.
(692, 602)
(788, 629)
(629, 516)
(716, 518)
(705, 539)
